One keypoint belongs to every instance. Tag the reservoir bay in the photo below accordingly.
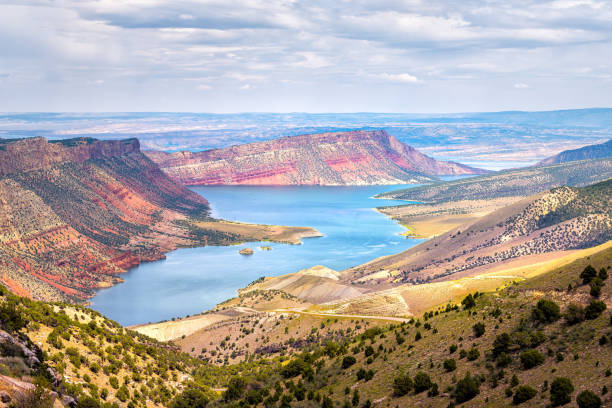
(191, 280)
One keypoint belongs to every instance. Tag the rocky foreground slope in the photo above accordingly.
(75, 213)
(343, 158)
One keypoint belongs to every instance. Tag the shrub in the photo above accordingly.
(327, 403)
(369, 350)
(603, 274)
(402, 385)
(537, 337)
(235, 388)
(596, 284)
(523, 393)
(587, 274)
(11, 318)
(114, 382)
(501, 344)
(467, 388)
(574, 313)
(87, 401)
(588, 399)
(531, 358)
(422, 382)
(453, 347)
(561, 391)
(504, 360)
(450, 365)
(546, 311)
(594, 309)
(123, 394)
(348, 361)
(468, 302)
(479, 329)
(514, 381)
(191, 397)
(295, 368)
(355, 399)
(473, 354)
(33, 398)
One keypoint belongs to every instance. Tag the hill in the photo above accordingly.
(509, 183)
(342, 158)
(77, 212)
(531, 230)
(535, 342)
(597, 151)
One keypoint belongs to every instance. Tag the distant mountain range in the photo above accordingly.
(341, 158)
(597, 151)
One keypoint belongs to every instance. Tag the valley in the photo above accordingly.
(494, 266)
(77, 213)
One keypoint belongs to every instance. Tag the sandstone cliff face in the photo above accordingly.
(76, 213)
(37, 153)
(343, 158)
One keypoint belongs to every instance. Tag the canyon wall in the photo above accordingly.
(75, 213)
(342, 158)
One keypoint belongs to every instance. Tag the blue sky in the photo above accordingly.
(311, 55)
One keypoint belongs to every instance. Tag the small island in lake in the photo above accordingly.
(246, 251)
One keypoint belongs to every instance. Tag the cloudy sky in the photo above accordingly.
(304, 55)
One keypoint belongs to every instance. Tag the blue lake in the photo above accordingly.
(195, 279)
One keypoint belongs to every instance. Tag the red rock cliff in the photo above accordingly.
(38, 153)
(341, 158)
(76, 212)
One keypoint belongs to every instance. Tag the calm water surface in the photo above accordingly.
(195, 279)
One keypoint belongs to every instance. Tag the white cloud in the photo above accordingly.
(520, 85)
(244, 77)
(400, 78)
(311, 60)
(299, 51)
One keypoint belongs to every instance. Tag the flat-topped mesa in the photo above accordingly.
(342, 158)
(17, 155)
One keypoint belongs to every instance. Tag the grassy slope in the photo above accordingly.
(569, 351)
(157, 371)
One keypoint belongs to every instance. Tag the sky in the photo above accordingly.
(304, 55)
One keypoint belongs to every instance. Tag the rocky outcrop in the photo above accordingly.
(75, 213)
(342, 158)
(597, 151)
(38, 153)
